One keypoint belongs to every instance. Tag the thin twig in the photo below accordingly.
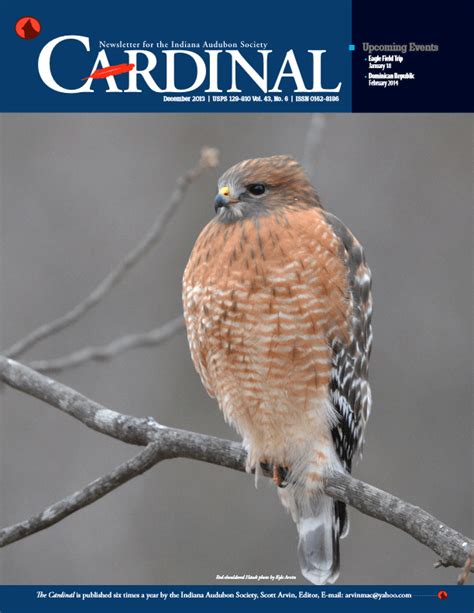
(451, 546)
(106, 352)
(148, 457)
(209, 159)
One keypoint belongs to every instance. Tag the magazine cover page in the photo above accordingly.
(236, 306)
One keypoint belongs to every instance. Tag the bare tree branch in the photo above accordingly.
(452, 547)
(209, 159)
(148, 457)
(106, 352)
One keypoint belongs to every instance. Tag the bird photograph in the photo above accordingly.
(234, 350)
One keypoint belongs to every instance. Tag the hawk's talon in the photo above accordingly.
(280, 474)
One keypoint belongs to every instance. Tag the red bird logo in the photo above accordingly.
(27, 28)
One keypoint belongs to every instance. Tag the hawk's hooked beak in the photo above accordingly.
(224, 198)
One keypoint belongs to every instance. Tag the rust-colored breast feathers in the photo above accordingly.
(264, 298)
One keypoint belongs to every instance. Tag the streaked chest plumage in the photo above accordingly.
(264, 298)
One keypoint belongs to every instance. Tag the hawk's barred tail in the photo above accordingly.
(342, 518)
(318, 546)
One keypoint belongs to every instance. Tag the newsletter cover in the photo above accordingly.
(236, 306)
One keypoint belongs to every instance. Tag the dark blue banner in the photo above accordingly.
(339, 56)
(172, 57)
(363, 598)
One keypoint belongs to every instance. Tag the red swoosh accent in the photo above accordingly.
(110, 71)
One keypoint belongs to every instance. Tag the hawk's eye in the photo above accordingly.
(256, 189)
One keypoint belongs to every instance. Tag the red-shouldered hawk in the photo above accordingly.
(277, 303)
